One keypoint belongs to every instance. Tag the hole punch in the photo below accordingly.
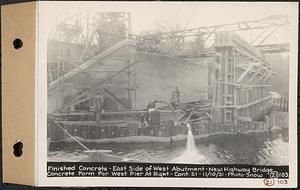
(18, 149)
(18, 43)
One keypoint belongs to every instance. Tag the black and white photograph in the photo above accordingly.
(171, 90)
(176, 94)
(182, 83)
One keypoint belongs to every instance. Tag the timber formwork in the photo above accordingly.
(237, 74)
(242, 87)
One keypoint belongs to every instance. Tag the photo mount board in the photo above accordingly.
(18, 92)
(24, 114)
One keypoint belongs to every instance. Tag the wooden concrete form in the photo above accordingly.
(119, 132)
(242, 90)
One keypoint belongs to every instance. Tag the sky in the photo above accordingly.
(146, 15)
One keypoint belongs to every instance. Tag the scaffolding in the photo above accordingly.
(243, 76)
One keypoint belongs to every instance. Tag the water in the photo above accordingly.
(191, 153)
(270, 148)
(190, 144)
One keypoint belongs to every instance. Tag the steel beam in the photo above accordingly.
(267, 22)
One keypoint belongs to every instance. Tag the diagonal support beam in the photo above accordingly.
(253, 103)
(264, 75)
(116, 99)
(267, 77)
(80, 101)
(253, 76)
(76, 100)
(89, 63)
(210, 34)
(261, 77)
(245, 73)
(268, 36)
(256, 73)
(258, 36)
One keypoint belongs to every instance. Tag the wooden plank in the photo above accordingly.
(255, 74)
(92, 123)
(80, 101)
(253, 103)
(267, 77)
(245, 73)
(105, 113)
(208, 115)
(262, 76)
